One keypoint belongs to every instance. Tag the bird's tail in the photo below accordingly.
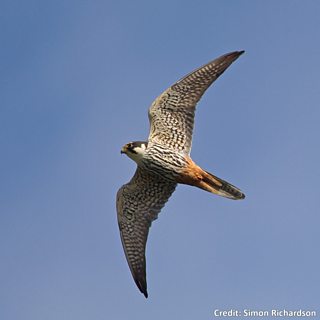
(213, 184)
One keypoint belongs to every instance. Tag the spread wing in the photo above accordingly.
(138, 204)
(171, 115)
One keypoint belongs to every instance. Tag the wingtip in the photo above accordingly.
(144, 291)
(142, 286)
(231, 56)
(237, 53)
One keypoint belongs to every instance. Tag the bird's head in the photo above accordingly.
(135, 150)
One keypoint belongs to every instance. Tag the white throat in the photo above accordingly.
(138, 156)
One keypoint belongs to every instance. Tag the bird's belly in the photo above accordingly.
(168, 164)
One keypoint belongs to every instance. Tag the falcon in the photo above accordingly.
(164, 161)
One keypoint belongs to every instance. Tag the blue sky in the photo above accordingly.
(76, 80)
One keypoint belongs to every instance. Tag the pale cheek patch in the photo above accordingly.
(140, 150)
(138, 156)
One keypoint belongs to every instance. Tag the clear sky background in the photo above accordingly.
(76, 79)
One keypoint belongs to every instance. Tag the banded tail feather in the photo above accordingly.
(221, 187)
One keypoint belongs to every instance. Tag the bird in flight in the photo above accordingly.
(164, 161)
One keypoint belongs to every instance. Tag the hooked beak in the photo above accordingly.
(123, 150)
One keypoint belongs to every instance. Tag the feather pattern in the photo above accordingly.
(138, 204)
(171, 115)
(164, 161)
